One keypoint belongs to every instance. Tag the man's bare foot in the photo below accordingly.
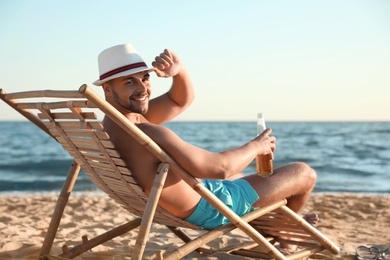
(311, 218)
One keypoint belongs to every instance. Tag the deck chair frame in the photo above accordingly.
(255, 224)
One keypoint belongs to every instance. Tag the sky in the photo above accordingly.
(291, 60)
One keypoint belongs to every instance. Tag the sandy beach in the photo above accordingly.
(350, 220)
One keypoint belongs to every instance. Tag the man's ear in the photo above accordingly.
(106, 87)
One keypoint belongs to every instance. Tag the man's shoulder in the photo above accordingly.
(150, 127)
(157, 132)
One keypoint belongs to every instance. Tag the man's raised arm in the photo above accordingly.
(181, 94)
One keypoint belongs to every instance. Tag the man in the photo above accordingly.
(125, 79)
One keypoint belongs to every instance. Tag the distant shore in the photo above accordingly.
(348, 219)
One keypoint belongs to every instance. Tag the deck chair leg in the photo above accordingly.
(150, 209)
(73, 172)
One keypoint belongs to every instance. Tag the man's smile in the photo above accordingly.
(139, 98)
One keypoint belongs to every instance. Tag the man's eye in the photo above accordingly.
(130, 82)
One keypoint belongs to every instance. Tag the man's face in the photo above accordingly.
(130, 92)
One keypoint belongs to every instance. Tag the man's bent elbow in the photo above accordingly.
(225, 173)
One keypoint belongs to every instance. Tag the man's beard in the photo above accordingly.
(129, 106)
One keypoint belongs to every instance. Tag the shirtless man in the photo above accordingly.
(126, 83)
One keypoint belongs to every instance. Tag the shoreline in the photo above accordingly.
(348, 219)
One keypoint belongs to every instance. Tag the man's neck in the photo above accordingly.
(132, 117)
(135, 118)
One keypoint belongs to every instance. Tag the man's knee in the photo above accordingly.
(306, 172)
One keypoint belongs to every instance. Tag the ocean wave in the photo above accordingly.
(44, 185)
(44, 166)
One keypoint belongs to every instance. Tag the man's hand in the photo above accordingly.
(268, 142)
(167, 64)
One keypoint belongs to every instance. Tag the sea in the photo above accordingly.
(351, 157)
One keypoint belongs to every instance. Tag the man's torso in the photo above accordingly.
(177, 196)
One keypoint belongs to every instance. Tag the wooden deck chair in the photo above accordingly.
(70, 118)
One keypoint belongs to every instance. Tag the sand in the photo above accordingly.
(350, 220)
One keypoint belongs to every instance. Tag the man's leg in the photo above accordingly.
(293, 182)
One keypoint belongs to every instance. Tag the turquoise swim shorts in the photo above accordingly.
(238, 195)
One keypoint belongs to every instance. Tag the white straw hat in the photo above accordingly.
(118, 61)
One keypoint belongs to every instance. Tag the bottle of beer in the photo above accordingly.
(264, 165)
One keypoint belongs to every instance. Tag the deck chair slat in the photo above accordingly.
(264, 220)
(133, 196)
(106, 177)
(138, 190)
(83, 153)
(275, 217)
(100, 171)
(285, 228)
(96, 126)
(93, 176)
(99, 174)
(134, 202)
(102, 159)
(127, 207)
(63, 141)
(124, 191)
(290, 236)
(110, 180)
(69, 125)
(270, 223)
(124, 171)
(97, 181)
(68, 116)
(53, 131)
(81, 133)
(87, 133)
(89, 143)
(135, 193)
(280, 222)
(113, 153)
(130, 179)
(77, 125)
(102, 166)
(105, 169)
(125, 196)
(94, 156)
(92, 150)
(44, 93)
(52, 105)
(119, 162)
(83, 142)
(117, 188)
(85, 146)
(107, 144)
(95, 150)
